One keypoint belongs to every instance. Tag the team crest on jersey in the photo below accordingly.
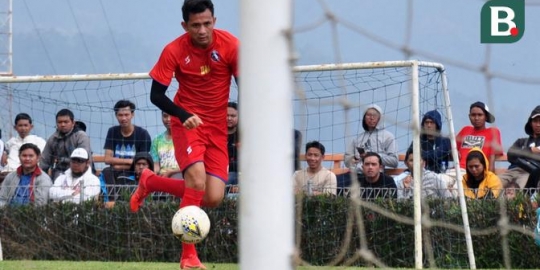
(215, 56)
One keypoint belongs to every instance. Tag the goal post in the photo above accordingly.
(327, 104)
(406, 88)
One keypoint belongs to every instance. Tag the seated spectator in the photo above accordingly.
(297, 146)
(478, 181)
(60, 145)
(374, 139)
(373, 182)
(28, 184)
(435, 149)
(162, 151)
(432, 185)
(510, 190)
(524, 156)
(141, 161)
(488, 139)
(315, 179)
(2, 145)
(121, 144)
(126, 184)
(233, 142)
(77, 184)
(10, 156)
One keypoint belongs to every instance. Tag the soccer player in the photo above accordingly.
(202, 60)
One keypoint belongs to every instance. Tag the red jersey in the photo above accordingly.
(488, 139)
(203, 75)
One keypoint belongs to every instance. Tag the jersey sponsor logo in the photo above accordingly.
(187, 60)
(189, 150)
(215, 56)
(471, 141)
(205, 69)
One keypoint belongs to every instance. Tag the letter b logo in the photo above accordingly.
(502, 21)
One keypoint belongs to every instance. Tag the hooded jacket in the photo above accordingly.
(436, 152)
(521, 148)
(59, 147)
(378, 140)
(490, 183)
(142, 155)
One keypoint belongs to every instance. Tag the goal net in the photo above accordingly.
(328, 106)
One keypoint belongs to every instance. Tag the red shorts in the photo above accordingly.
(207, 143)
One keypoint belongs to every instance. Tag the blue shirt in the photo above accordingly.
(22, 194)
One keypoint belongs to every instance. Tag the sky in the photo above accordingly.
(86, 37)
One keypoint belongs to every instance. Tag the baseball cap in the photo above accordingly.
(490, 118)
(535, 115)
(79, 153)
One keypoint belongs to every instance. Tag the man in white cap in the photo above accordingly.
(78, 183)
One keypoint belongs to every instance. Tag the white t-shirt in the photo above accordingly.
(12, 149)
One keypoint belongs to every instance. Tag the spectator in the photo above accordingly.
(510, 190)
(478, 181)
(121, 144)
(126, 183)
(373, 182)
(488, 139)
(60, 145)
(297, 146)
(77, 184)
(10, 157)
(233, 142)
(315, 179)
(432, 185)
(435, 149)
(162, 151)
(141, 161)
(28, 184)
(2, 145)
(373, 139)
(524, 156)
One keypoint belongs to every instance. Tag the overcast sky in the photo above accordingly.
(79, 37)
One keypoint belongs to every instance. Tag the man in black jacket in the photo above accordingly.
(524, 156)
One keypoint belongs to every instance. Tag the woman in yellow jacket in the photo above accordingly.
(479, 181)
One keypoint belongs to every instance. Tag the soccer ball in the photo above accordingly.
(190, 224)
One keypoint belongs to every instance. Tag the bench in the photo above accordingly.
(338, 165)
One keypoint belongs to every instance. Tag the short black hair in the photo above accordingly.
(233, 105)
(23, 116)
(315, 144)
(372, 154)
(29, 146)
(195, 7)
(124, 103)
(410, 152)
(65, 112)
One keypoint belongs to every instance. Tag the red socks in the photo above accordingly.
(191, 197)
(172, 186)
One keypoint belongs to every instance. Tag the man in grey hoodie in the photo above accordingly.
(374, 139)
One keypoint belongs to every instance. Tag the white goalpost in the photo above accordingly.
(266, 127)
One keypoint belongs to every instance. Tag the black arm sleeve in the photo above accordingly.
(158, 98)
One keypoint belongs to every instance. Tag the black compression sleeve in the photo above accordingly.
(158, 98)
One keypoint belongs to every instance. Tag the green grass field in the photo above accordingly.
(63, 265)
